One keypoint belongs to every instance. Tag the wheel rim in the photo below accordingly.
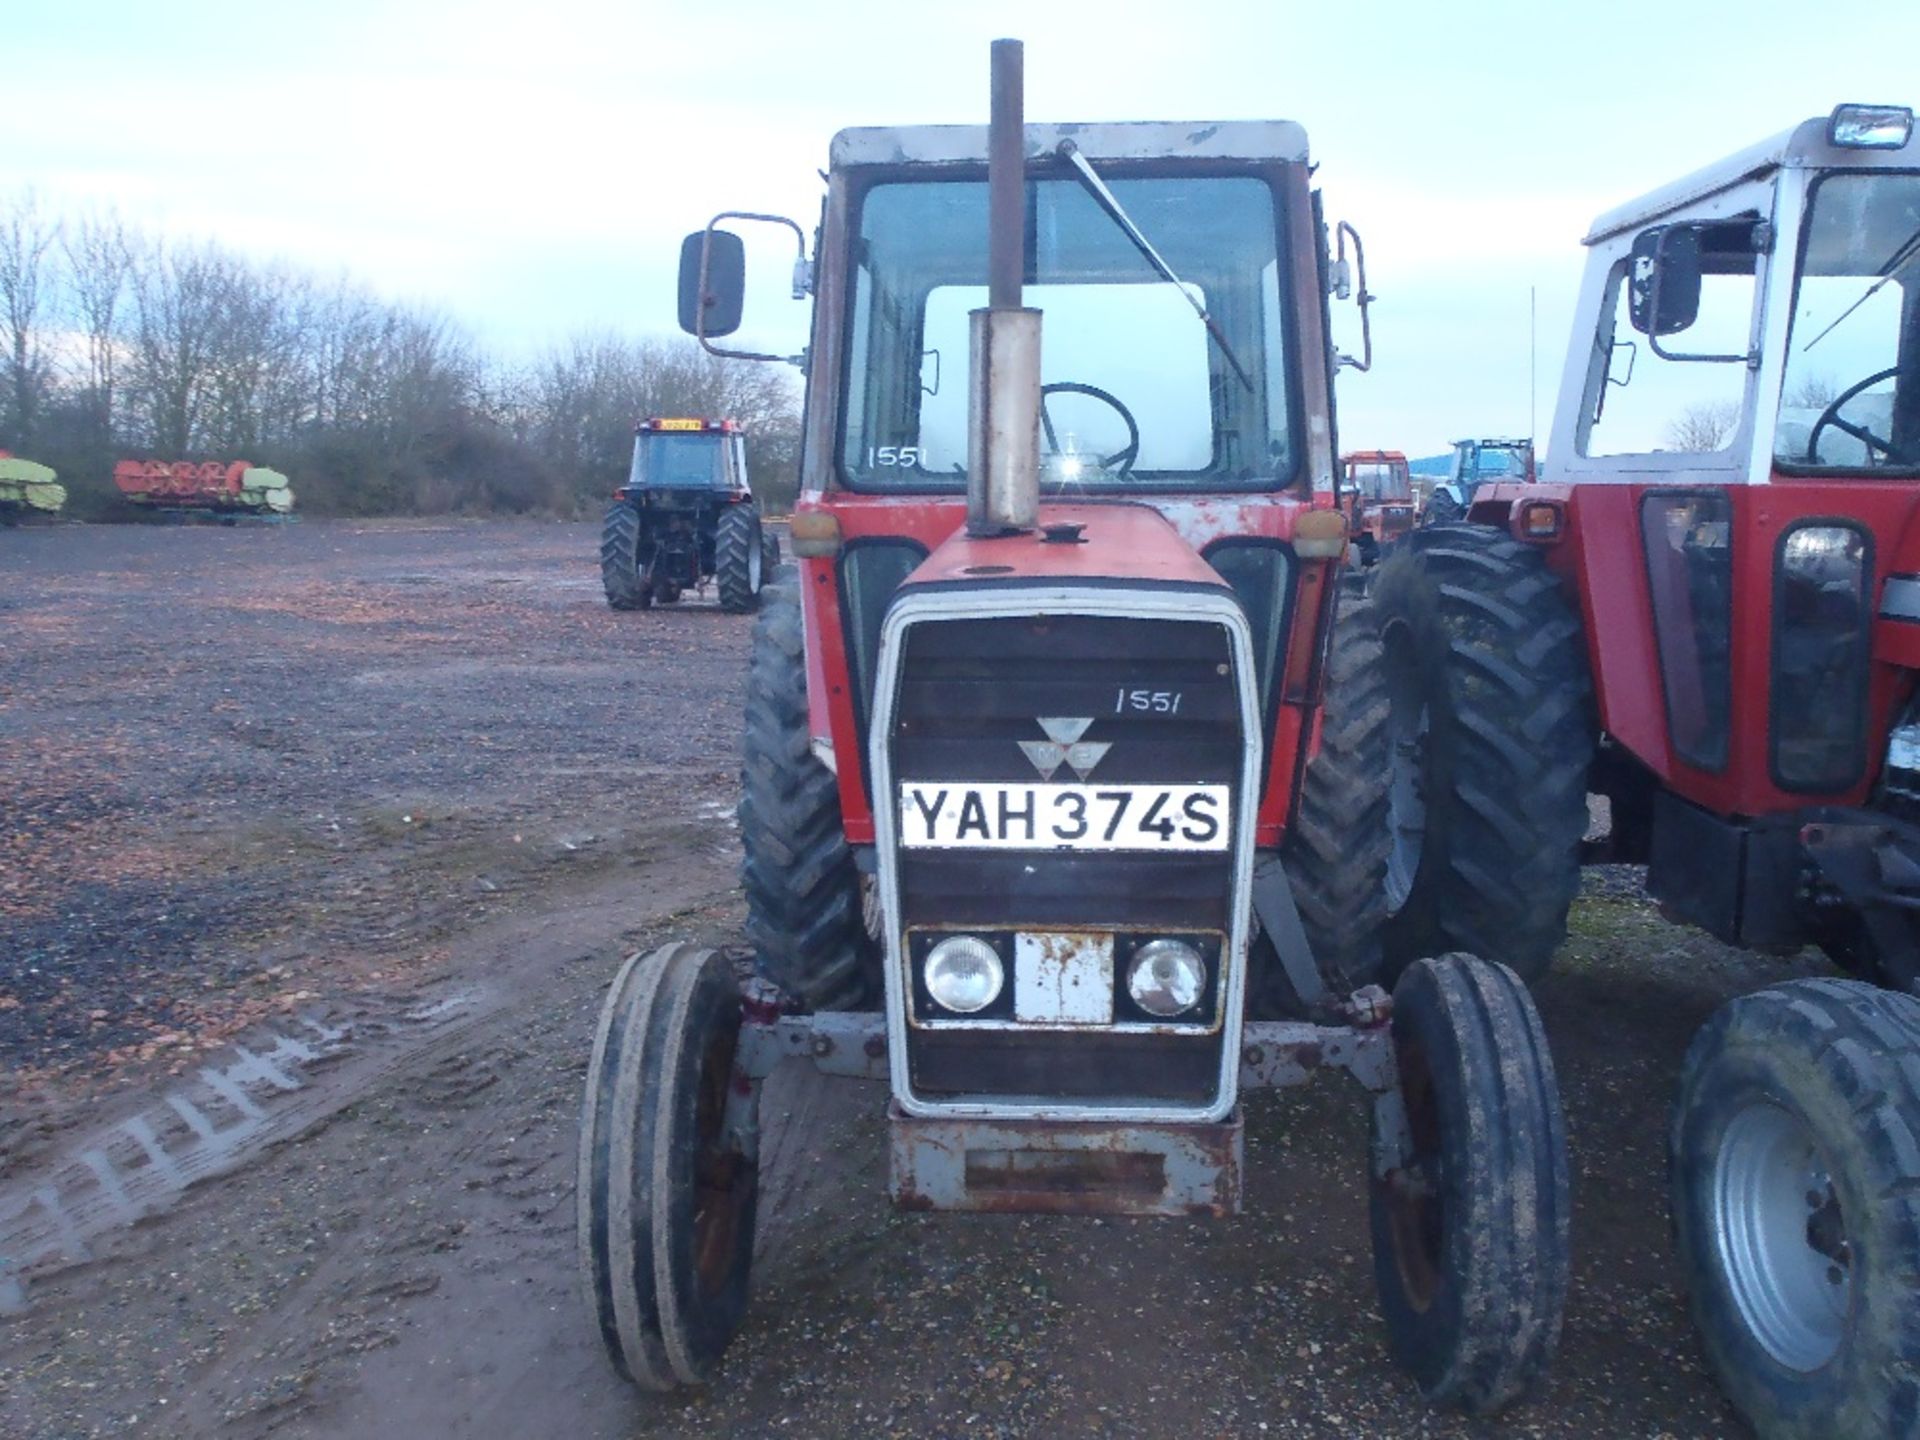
(753, 566)
(1408, 723)
(1415, 1214)
(719, 1196)
(1780, 1237)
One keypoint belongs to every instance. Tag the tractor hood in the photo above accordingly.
(1084, 544)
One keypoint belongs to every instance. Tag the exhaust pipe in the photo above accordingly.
(1003, 386)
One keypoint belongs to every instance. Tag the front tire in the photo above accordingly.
(805, 913)
(626, 585)
(1491, 738)
(1795, 1171)
(666, 1191)
(1470, 1227)
(739, 558)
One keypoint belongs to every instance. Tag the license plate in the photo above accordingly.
(957, 816)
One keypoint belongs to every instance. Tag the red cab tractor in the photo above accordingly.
(1377, 501)
(1708, 612)
(684, 517)
(1045, 826)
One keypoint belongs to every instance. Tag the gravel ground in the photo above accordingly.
(373, 764)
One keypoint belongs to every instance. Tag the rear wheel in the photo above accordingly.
(1470, 1220)
(805, 912)
(1795, 1169)
(621, 577)
(739, 558)
(1491, 738)
(1336, 850)
(667, 1189)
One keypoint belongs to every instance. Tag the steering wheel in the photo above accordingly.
(1121, 461)
(1831, 416)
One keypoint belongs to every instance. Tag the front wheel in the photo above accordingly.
(739, 558)
(668, 1176)
(1470, 1195)
(1795, 1171)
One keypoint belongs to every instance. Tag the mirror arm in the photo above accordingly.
(1362, 296)
(802, 284)
(1751, 359)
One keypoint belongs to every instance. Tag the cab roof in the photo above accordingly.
(1133, 140)
(1803, 147)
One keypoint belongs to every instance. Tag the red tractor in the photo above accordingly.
(1377, 501)
(1707, 612)
(1045, 825)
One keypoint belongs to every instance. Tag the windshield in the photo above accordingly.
(666, 460)
(1851, 394)
(1378, 480)
(1138, 395)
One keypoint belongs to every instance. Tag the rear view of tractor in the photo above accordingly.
(684, 517)
(218, 489)
(28, 490)
(1063, 798)
(1476, 463)
(1708, 613)
(1377, 500)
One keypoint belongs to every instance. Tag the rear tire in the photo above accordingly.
(1491, 738)
(666, 1197)
(739, 558)
(620, 573)
(1336, 851)
(1795, 1159)
(805, 914)
(1470, 1232)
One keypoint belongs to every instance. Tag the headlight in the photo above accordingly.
(1166, 977)
(964, 974)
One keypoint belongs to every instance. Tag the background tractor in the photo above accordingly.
(1708, 613)
(1476, 463)
(1045, 823)
(684, 517)
(1377, 500)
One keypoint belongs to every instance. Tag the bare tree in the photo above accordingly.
(99, 266)
(26, 237)
(1704, 426)
(1813, 392)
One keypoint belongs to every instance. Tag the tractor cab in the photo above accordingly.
(1734, 486)
(689, 455)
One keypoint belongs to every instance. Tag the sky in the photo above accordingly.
(529, 169)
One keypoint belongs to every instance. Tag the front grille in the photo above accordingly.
(970, 691)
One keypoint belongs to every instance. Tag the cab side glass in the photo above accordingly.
(1688, 540)
(717, 312)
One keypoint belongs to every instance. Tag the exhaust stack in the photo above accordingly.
(1003, 394)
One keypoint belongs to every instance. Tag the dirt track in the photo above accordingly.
(414, 788)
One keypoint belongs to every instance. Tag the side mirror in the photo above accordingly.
(715, 310)
(1663, 280)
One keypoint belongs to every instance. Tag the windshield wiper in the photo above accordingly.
(1906, 251)
(1104, 197)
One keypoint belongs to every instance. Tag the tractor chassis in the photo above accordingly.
(1065, 1166)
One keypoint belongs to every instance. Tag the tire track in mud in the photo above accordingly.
(274, 1084)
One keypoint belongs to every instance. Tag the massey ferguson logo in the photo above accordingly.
(1063, 746)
